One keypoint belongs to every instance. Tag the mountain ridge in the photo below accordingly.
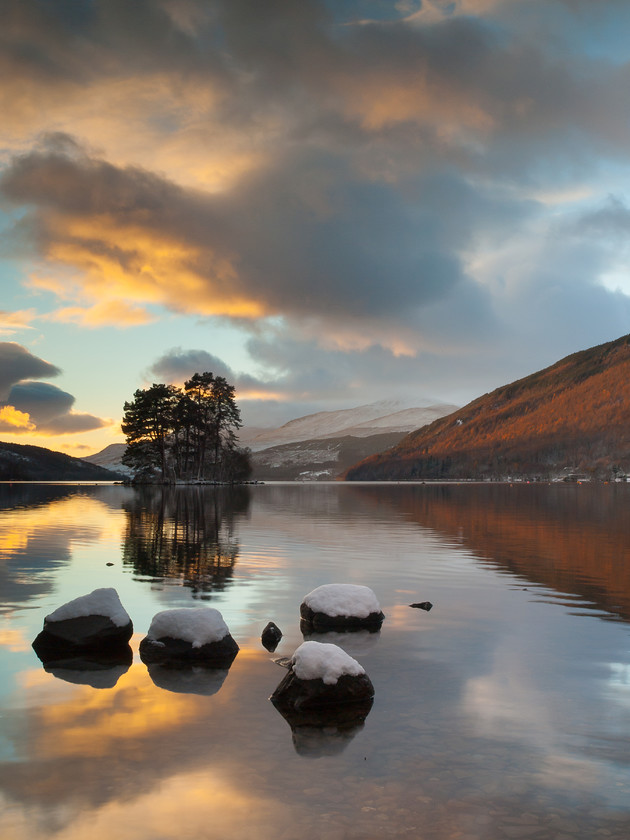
(23, 462)
(574, 414)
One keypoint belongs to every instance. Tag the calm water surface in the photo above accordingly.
(502, 713)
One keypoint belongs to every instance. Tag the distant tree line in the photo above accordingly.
(185, 434)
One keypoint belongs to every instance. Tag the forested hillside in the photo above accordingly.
(574, 414)
(36, 463)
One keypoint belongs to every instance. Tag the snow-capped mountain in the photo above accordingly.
(362, 421)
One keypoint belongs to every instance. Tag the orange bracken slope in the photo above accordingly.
(574, 414)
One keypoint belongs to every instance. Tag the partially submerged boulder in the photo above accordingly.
(271, 636)
(321, 678)
(91, 624)
(189, 635)
(341, 606)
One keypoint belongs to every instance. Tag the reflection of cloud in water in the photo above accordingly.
(516, 701)
(37, 539)
(184, 805)
(190, 680)
(14, 640)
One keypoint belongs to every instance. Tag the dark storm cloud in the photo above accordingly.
(303, 240)
(50, 409)
(40, 406)
(17, 363)
(178, 365)
(391, 185)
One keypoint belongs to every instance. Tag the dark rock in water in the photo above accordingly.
(341, 606)
(167, 650)
(91, 624)
(83, 634)
(188, 679)
(189, 636)
(94, 670)
(271, 636)
(295, 696)
(320, 622)
(423, 605)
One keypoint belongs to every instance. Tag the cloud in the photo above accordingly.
(175, 366)
(12, 420)
(11, 322)
(17, 363)
(113, 312)
(28, 406)
(50, 409)
(358, 186)
(306, 241)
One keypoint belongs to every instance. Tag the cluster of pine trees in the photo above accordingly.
(185, 434)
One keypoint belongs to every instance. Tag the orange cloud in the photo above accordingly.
(13, 420)
(10, 322)
(114, 312)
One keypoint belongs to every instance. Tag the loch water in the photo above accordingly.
(501, 713)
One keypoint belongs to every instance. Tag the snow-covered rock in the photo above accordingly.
(321, 677)
(187, 635)
(341, 605)
(96, 624)
(99, 602)
(319, 661)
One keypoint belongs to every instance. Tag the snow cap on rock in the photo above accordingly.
(343, 599)
(197, 625)
(99, 602)
(316, 660)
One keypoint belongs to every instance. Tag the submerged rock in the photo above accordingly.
(341, 606)
(321, 678)
(189, 635)
(91, 624)
(271, 636)
(423, 605)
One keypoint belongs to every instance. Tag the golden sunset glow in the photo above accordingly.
(338, 205)
(11, 418)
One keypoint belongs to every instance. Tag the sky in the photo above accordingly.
(328, 203)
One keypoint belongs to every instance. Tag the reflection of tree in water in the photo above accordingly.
(184, 535)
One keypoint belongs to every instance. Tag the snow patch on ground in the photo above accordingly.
(99, 602)
(197, 625)
(343, 599)
(317, 660)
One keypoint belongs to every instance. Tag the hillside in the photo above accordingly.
(317, 446)
(35, 463)
(574, 414)
(110, 458)
(321, 459)
(380, 417)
